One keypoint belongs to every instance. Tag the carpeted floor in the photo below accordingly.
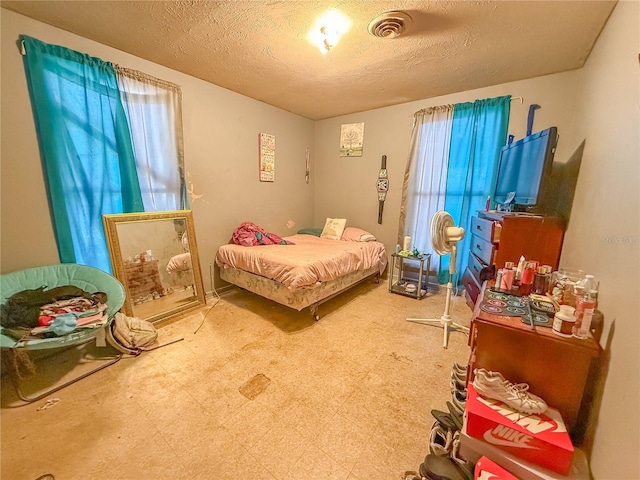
(259, 392)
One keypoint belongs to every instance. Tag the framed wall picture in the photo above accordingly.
(267, 157)
(351, 139)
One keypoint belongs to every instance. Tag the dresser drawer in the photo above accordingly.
(471, 285)
(475, 266)
(482, 249)
(486, 229)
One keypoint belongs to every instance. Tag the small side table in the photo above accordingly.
(401, 283)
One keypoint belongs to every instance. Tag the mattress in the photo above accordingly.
(309, 261)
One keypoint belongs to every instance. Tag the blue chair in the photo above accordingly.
(88, 279)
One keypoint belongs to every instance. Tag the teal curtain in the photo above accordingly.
(85, 145)
(478, 133)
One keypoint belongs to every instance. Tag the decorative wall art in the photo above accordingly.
(351, 139)
(267, 157)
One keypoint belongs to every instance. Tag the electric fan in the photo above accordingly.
(444, 236)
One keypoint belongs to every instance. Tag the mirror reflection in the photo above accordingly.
(155, 257)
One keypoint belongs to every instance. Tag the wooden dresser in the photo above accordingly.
(556, 368)
(498, 237)
(143, 278)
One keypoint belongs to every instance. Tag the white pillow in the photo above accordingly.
(333, 228)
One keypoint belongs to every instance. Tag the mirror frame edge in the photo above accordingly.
(115, 256)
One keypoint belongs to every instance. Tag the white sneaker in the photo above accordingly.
(494, 385)
(459, 370)
(457, 383)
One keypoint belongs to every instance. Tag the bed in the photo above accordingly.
(303, 274)
(180, 270)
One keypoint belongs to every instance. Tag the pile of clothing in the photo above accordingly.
(249, 234)
(43, 313)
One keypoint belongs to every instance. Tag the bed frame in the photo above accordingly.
(297, 299)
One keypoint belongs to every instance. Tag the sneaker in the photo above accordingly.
(445, 420)
(465, 466)
(456, 416)
(457, 384)
(459, 401)
(459, 370)
(437, 467)
(440, 440)
(493, 385)
(458, 375)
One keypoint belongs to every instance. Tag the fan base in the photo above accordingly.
(446, 323)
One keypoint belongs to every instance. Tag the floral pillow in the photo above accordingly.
(333, 228)
(352, 234)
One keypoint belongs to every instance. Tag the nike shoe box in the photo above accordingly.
(539, 439)
(487, 469)
(472, 449)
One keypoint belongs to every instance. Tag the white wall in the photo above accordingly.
(604, 234)
(221, 154)
(345, 186)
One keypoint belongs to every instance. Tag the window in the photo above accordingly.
(452, 166)
(96, 148)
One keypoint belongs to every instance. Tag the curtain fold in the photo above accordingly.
(154, 111)
(85, 146)
(479, 131)
(423, 189)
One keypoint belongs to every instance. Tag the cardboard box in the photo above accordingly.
(472, 449)
(487, 469)
(539, 439)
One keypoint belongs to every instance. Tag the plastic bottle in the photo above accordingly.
(586, 291)
(586, 284)
(548, 277)
(526, 280)
(507, 277)
(564, 321)
(519, 269)
(540, 281)
(585, 307)
(592, 286)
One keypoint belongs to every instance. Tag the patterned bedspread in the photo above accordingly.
(310, 260)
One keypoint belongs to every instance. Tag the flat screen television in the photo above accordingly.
(524, 168)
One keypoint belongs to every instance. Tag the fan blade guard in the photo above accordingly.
(444, 234)
(439, 224)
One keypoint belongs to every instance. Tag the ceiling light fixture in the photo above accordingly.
(328, 30)
(330, 37)
(389, 24)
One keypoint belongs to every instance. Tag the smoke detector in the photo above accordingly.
(389, 24)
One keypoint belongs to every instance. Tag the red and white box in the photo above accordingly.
(540, 439)
(487, 469)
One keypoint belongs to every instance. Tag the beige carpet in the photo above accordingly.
(259, 392)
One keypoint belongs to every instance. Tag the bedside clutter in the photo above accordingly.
(509, 336)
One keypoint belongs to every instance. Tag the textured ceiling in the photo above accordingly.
(259, 48)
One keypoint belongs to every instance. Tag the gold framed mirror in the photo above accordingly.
(155, 257)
